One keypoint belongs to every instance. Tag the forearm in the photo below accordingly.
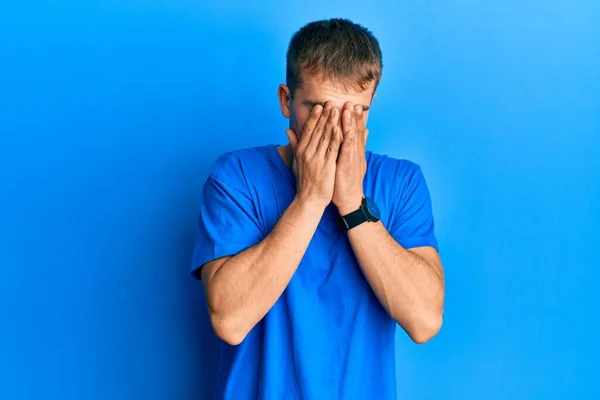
(409, 288)
(246, 286)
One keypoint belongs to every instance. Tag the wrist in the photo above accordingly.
(348, 206)
(309, 205)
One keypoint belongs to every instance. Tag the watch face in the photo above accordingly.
(373, 209)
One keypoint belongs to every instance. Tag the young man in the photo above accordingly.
(312, 252)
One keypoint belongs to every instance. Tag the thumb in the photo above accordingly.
(366, 134)
(293, 138)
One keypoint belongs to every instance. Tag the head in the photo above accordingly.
(331, 60)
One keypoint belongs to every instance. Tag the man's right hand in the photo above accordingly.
(241, 289)
(315, 155)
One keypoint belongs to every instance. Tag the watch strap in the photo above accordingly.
(352, 220)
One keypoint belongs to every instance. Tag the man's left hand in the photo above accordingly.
(351, 163)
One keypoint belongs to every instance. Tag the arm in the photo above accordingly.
(409, 283)
(241, 289)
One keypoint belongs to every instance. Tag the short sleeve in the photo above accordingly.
(227, 224)
(412, 223)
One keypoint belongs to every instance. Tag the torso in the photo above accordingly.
(327, 337)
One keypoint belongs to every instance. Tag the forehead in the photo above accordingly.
(318, 90)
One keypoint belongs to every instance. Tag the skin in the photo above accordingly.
(326, 151)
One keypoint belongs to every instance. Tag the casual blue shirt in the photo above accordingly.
(327, 337)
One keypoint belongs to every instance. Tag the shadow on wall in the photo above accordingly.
(225, 123)
(196, 322)
(198, 110)
(239, 109)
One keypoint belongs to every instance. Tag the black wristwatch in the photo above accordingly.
(368, 212)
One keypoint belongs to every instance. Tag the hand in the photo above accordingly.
(315, 155)
(351, 163)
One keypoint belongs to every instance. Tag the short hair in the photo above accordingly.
(343, 51)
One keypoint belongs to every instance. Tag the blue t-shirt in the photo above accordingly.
(327, 337)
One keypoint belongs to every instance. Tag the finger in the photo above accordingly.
(348, 124)
(366, 135)
(354, 126)
(334, 146)
(360, 119)
(346, 147)
(317, 133)
(311, 123)
(332, 122)
(360, 126)
(347, 106)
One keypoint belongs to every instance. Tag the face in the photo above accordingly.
(315, 90)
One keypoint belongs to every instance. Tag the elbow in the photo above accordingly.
(227, 329)
(224, 319)
(426, 329)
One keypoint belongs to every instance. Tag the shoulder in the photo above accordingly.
(397, 171)
(397, 183)
(233, 167)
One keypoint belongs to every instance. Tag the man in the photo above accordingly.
(312, 252)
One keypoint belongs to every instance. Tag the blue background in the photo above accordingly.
(112, 111)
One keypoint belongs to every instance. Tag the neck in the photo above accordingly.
(286, 155)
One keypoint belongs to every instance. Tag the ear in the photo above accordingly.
(285, 100)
